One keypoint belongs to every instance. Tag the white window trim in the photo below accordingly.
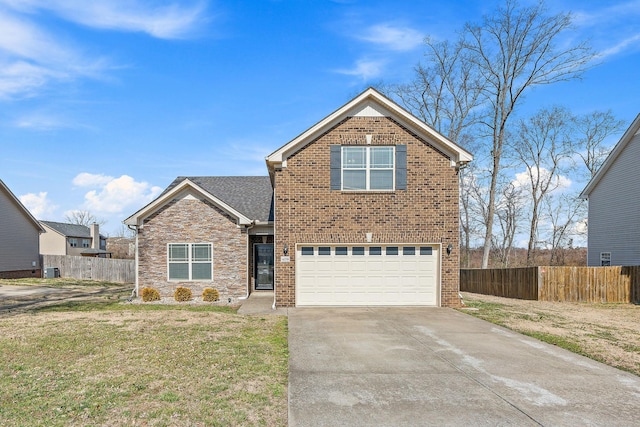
(368, 168)
(189, 261)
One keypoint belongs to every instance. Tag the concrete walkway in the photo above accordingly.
(259, 303)
(420, 367)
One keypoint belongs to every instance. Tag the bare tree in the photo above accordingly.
(593, 129)
(85, 218)
(445, 92)
(561, 212)
(515, 50)
(470, 212)
(545, 148)
(482, 79)
(509, 214)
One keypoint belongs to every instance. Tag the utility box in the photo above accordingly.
(51, 272)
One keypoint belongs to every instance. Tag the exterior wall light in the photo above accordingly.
(449, 249)
(285, 249)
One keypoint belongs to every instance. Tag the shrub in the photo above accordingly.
(210, 295)
(150, 294)
(182, 294)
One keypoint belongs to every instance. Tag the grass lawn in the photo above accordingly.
(608, 333)
(109, 363)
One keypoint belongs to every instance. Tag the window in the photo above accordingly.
(324, 250)
(426, 250)
(341, 250)
(408, 250)
(605, 259)
(368, 168)
(358, 250)
(307, 250)
(375, 250)
(73, 242)
(86, 243)
(190, 261)
(392, 250)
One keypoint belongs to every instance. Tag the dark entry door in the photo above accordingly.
(264, 267)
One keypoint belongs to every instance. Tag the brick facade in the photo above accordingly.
(190, 220)
(20, 274)
(307, 211)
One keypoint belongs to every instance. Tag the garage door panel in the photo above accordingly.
(392, 275)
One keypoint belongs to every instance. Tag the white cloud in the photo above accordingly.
(85, 179)
(38, 204)
(364, 69)
(392, 37)
(161, 19)
(113, 195)
(32, 57)
(560, 182)
(623, 45)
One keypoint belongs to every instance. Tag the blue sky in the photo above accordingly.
(104, 103)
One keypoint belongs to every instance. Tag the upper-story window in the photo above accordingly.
(368, 168)
(86, 243)
(73, 242)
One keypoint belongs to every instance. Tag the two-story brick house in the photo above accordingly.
(360, 209)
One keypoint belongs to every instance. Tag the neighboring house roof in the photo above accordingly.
(247, 198)
(21, 207)
(613, 156)
(70, 230)
(371, 103)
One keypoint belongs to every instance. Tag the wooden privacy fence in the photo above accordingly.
(576, 284)
(90, 268)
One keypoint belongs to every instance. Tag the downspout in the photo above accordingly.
(253, 223)
(135, 289)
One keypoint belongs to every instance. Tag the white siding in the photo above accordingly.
(614, 210)
(18, 236)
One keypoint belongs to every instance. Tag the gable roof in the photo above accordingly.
(70, 230)
(21, 207)
(370, 103)
(247, 198)
(612, 157)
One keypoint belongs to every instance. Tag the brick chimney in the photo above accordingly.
(95, 236)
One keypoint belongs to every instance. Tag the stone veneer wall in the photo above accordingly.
(307, 211)
(190, 220)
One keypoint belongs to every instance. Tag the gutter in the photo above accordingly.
(253, 223)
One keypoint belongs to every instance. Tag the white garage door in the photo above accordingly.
(367, 275)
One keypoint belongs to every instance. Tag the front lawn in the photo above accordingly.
(133, 365)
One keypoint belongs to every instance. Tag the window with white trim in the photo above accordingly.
(86, 243)
(605, 259)
(73, 242)
(368, 168)
(190, 261)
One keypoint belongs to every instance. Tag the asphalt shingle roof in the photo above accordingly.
(252, 196)
(69, 230)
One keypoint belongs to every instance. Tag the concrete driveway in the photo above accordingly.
(431, 366)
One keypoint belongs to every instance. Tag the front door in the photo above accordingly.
(264, 267)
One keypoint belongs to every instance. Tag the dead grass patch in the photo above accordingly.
(608, 333)
(135, 366)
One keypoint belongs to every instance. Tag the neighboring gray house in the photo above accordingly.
(614, 204)
(19, 243)
(72, 239)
